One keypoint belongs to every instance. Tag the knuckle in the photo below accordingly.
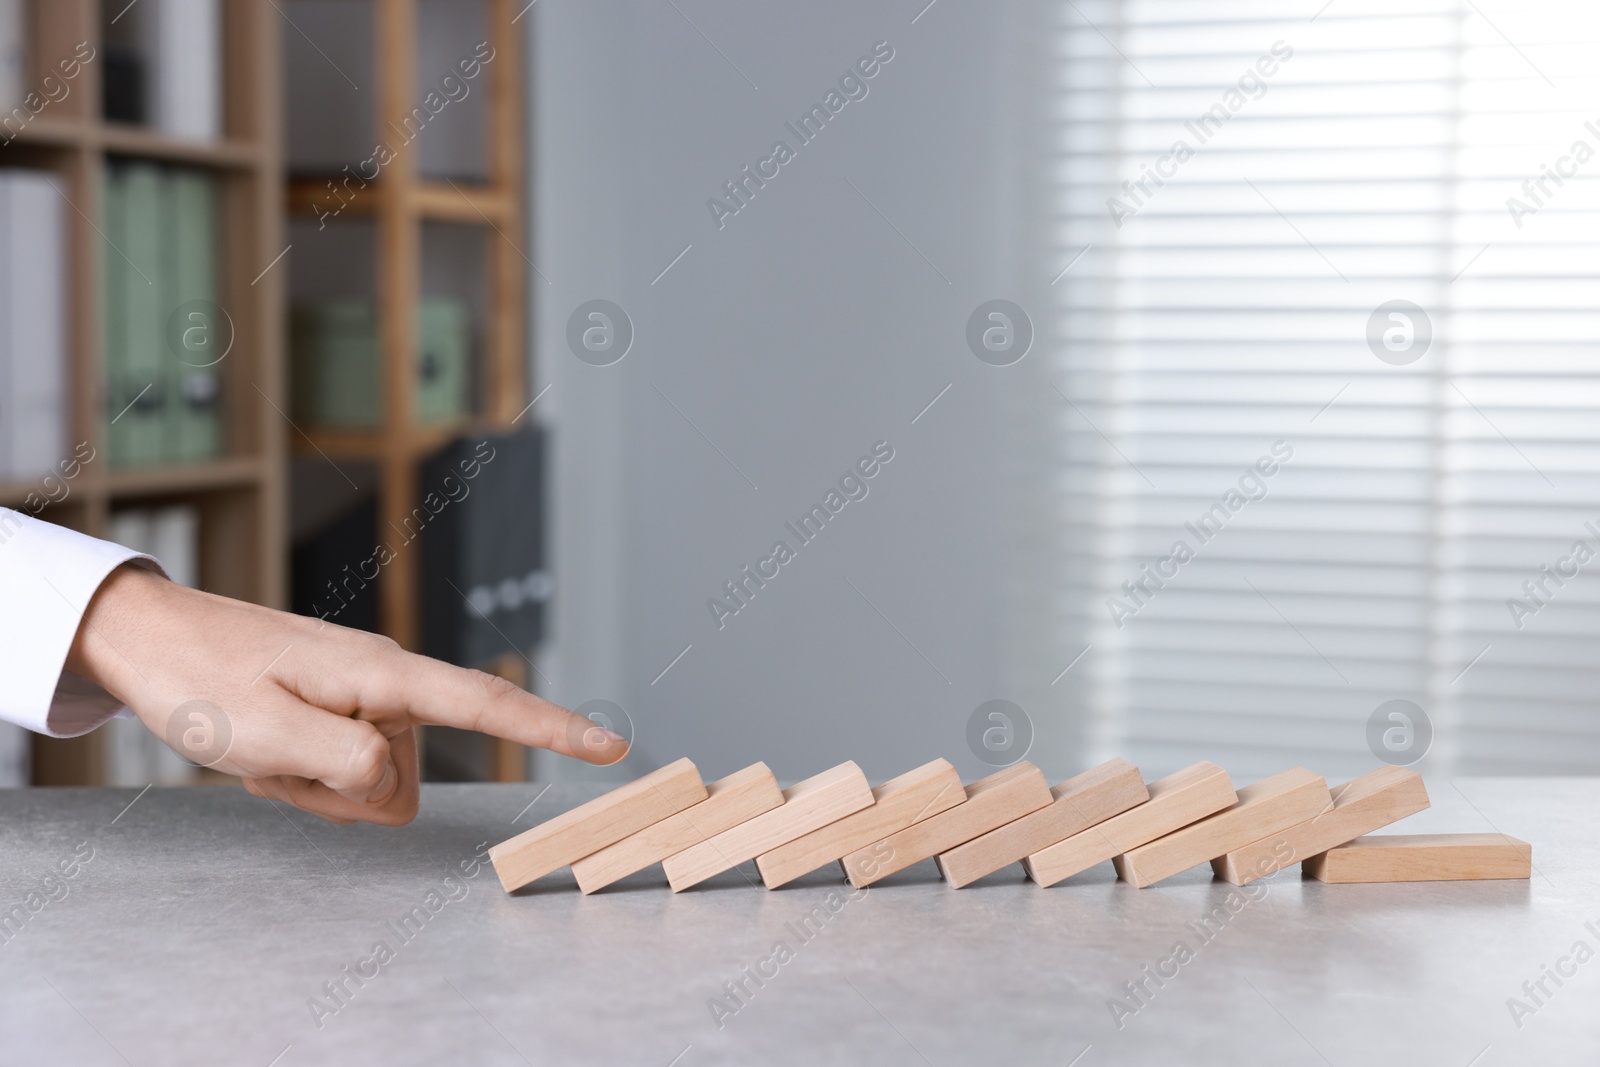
(360, 642)
(368, 759)
(493, 686)
(381, 642)
(492, 689)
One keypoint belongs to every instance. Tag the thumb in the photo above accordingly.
(352, 757)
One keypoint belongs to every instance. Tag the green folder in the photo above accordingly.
(335, 364)
(336, 375)
(444, 330)
(194, 343)
(146, 379)
(113, 318)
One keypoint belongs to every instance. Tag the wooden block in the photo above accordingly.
(1092, 797)
(730, 801)
(896, 804)
(1175, 801)
(1265, 808)
(1003, 797)
(1360, 806)
(1423, 858)
(807, 806)
(588, 828)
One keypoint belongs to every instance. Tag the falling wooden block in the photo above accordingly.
(590, 827)
(1265, 808)
(1175, 801)
(1360, 806)
(1079, 803)
(896, 804)
(1003, 797)
(730, 801)
(807, 806)
(1423, 858)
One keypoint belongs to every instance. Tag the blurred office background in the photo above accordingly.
(1236, 361)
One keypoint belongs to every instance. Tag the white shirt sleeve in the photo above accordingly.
(47, 576)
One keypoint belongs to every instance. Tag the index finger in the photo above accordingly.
(431, 691)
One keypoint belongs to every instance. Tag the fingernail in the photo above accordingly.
(385, 786)
(612, 735)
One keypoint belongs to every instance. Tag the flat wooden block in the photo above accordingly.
(896, 804)
(1003, 797)
(730, 801)
(1175, 801)
(1079, 803)
(1265, 808)
(603, 821)
(1360, 806)
(807, 806)
(1423, 858)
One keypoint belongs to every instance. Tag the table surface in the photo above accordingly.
(206, 926)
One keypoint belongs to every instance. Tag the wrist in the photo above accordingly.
(116, 612)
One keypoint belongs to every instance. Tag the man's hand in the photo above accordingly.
(306, 712)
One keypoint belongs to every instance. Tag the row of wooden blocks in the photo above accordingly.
(1151, 831)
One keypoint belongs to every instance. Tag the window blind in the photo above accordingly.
(1242, 189)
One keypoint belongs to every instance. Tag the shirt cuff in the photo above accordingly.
(48, 575)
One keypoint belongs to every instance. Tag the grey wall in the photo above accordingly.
(793, 339)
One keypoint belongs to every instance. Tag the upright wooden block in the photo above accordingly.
(896, 804)
(590, 827)
(1003, 797)
(1423, 858)
(1079, 803)
(735, 799)
(1268, 806)
(807, 806)
(1360, 806)
(1175, 801)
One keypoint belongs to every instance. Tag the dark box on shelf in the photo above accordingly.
(480, 523)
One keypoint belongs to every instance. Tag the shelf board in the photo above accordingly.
(55, 133)
(455, 202)
(441, 201)
(139, 141)
(15, 494)
(412, 443)
(238, 473)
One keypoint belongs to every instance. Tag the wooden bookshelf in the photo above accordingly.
(239, 497)
(398, 204)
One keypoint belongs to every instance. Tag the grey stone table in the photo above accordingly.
(203, 926)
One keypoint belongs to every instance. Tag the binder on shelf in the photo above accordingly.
(183, 53)
(163, 67)
(37, 324)
(444, 329)
(175, 541)
(131, 528)
(163, 369)
(123, 95)
(326, 569)
(144, 391)
(170, 534)
(337, 372)
(334, 347)
(197, 347)
(114, 313)
(480, 521)
(13, 53)
(32, 325)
